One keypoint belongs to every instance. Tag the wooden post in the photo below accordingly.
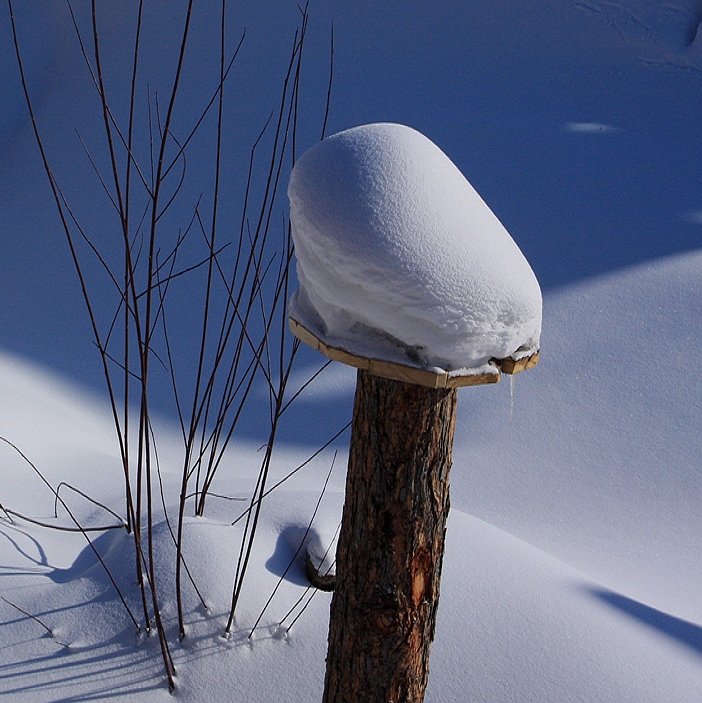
(391, 544)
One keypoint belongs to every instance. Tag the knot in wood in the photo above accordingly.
(385, 622)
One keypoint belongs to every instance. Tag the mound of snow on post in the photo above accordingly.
(396, 252)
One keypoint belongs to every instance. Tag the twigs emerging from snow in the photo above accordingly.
(297, 551)
(79, 527)
(36, 620)
(240, 334)
(309, 588)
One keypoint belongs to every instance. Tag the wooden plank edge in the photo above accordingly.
(511, 366)
(390, 369)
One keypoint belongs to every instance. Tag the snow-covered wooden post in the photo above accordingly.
(407, 275)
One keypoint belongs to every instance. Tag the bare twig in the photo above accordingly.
(331, 77)
(296, 469)
(241, 334)
(88, 498)
(36, 620)
(76, 523)
(62, 528)
(298, 550)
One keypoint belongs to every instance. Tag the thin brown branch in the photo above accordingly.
(298, 550)
(81, 529)
(36, 620)
(63, 528)
(296, 469)
(88, 498)
(331, 77)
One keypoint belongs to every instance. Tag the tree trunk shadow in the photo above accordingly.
(687, 633)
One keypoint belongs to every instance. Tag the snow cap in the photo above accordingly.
(398, 257)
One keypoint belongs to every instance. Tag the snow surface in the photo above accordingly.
(572, 569)
(393, 243)
(321, 551)
(572, 560)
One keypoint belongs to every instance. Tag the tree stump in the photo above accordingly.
(391, 545)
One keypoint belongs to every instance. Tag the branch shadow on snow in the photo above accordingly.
(107, 671)
(87, 562)
(682, 631)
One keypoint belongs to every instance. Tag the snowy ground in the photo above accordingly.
(573, 564)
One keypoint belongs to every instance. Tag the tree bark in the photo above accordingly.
(391, 544)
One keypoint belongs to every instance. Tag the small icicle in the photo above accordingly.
(511, 396)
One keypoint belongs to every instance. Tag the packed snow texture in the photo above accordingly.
(321, 550)
(394, 245)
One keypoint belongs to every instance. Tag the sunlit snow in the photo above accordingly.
(393, 242)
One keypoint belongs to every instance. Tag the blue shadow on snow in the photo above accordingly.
(682, 631)
(288, 559)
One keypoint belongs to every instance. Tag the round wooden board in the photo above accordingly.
(411, 374)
